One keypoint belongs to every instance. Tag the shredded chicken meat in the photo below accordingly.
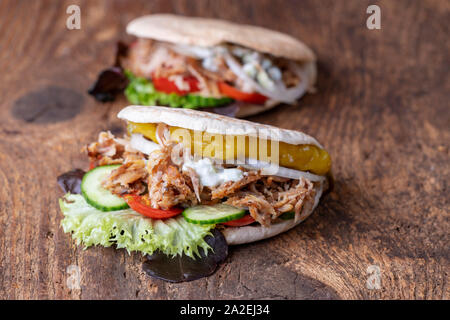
(267, 199)
(165, 184)
(150, 59)
(110, 150)
(127, 178)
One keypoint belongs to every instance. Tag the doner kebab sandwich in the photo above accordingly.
(196, 63)
(184, 183)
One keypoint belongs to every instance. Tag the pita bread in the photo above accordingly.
(211, 32)
(241, 235)
(212, 123)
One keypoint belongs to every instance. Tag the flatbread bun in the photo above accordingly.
(211, 32)
(212, 123)
(241, 235)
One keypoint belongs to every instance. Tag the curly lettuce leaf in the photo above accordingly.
(129, 230)
(141, 91)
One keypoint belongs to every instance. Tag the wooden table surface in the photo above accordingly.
(381, 110)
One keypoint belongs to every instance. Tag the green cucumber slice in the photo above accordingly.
(97, 196)
(203, 214)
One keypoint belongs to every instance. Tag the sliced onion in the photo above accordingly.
(194, 51)
(143, 145)
(162, 133)
(268, 170)
(281, 93)
(296, 174)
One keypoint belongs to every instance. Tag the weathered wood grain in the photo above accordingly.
(381, 110)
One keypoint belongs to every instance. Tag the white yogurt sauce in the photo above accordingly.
(211, 176)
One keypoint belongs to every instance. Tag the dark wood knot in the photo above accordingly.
(48, 105)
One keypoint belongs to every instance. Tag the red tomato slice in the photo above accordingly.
(167, 86)
(92, 164)
(138, 204)
(245, 220)
(234, 93)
